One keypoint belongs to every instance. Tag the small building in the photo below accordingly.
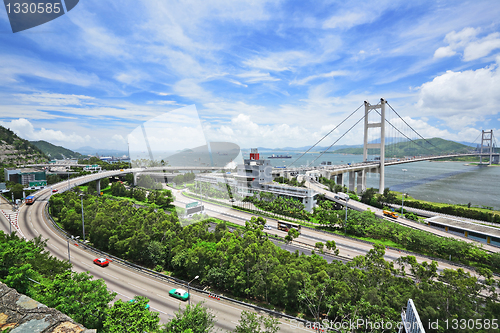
(477, 232)
(25, 175)
(256, 175)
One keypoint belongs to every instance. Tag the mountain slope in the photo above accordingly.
(55, 152)
(418, 147)
(14, 150)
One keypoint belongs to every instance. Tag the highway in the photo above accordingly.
(348, 247)
(126, 282)
(359, 206)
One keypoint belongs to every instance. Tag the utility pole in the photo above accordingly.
(403, 194)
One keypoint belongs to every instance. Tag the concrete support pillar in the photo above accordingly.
(135, 179)
(352, 176)
(340, 180)
(24, 194)
(359, 181)
(98, 186)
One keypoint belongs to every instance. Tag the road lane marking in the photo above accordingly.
(137, 286)
(114, 277)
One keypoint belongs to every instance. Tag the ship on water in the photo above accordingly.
(280, 156)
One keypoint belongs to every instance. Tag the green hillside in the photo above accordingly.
(418, 147)
(14, 150)
(55, 152)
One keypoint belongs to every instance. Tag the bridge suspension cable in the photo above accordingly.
(337, 140)
(298, 158)
(411, 140)
(412, 127)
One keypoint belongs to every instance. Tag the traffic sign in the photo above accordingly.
(39, 183)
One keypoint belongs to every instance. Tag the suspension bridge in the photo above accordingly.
(393, 140)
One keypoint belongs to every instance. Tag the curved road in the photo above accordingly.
(125, 281)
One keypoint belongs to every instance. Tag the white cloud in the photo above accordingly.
(444, 51)
(462, 98)
(280, 61)
(256, 77)
(467, 41)
(54, 99)
(119, 138)
(237, 83)
(482, 47)
(346, 20)
(318, 76)
(14, 68)
(24, 129)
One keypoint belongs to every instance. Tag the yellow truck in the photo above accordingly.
(390, 214)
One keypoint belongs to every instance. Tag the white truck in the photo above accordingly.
(341, 196)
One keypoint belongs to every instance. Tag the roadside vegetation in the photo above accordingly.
(245, 263)
(27, 267)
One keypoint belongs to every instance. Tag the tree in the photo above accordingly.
(197, 318)
(129, 178)
(146, 181)
(331, 246)
(292, 234)
(250, 322)
(118, 189)
(77, 295)
(131, 317)
(319, 246)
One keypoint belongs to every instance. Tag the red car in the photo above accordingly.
(101, 262)
(54, 190)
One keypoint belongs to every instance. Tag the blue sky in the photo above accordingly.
(263, 73)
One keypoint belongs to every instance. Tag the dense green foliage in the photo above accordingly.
(132, 317)
(245, 263)
(55, 152)
(251, 322)
(22, 151)
(434, 146)
(195, 318)
(103, 164)
(291, 182)
(77, 295)
(365, 224)
(184, 178)
(24, 146)
(279, 205)
(27, 267)
(160, 198)
(455, 210)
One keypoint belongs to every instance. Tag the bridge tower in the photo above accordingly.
(381, 145)
(486, 137)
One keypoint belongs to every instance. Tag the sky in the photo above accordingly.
(259, 73)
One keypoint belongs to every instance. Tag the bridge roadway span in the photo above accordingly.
(128, 282)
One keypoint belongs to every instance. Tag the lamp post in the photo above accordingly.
(403, 194)
(345, 223)
(196, 277)
(83, 220)
(69, 255)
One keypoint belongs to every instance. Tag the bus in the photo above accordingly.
(285, 226)
(29, 200)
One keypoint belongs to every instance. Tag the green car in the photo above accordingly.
(180, 294)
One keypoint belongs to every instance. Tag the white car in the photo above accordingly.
(267, 226)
